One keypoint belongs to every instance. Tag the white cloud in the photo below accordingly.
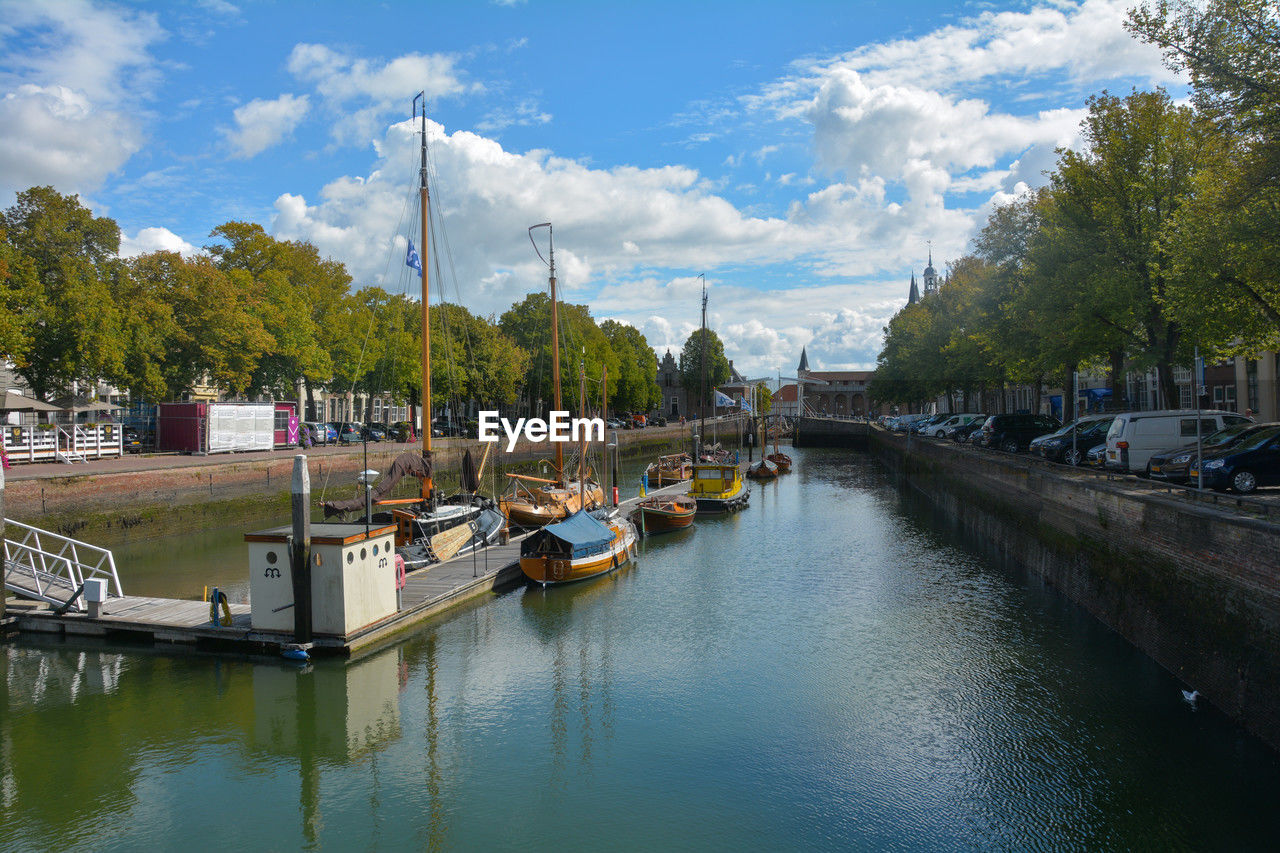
(378, 88)
(261, 124)
(73, 81)
(154, 240)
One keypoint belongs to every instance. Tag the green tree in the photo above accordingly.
(1112, 203)
(583, 348)
(293, 280)
(1224, 241)
(65, 260)
(636, 388)
(700, 376)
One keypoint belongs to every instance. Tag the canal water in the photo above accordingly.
(823, 671)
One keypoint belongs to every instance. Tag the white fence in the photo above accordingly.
(62, 444)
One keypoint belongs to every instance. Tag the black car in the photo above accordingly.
(966, 432)
(132, 438)
(373, 432)
(1174, 465)
(1069, 444)
(1012, 433)
(1252, 463)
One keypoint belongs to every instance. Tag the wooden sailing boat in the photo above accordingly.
(535, 501)
(583, 545)
(669, 470)
(429, 528)
(665, 513)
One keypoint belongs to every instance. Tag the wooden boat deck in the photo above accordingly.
(186, 623)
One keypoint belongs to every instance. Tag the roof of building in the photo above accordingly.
(804, 360)
(843, 375)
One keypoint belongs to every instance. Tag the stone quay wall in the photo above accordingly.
(1195, 587)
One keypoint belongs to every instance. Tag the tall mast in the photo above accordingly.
(604, 416)
(425, 201)
(582, 413)
(555, 337)
(702, 385)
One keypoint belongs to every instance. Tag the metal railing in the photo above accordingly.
(51, 567)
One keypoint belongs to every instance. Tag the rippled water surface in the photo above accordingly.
(821, 671)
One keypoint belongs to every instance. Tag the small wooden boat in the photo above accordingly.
(669, 470)
(584, 545)
(664, 513)
(781, 461)
(762, 470)
(718, 488)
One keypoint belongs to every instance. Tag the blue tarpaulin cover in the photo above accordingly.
(583, 534)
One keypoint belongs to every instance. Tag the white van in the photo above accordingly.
(1135, 437)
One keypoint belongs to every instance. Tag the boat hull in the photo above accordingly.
(781, 461)
(718, 489)
(548, 570)
(663, 515)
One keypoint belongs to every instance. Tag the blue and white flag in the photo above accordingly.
(723, 399)
(412, 260)
(744, 405)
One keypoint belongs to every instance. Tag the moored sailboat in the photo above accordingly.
(581, 546)
(429, 528)
(668, 470)
(535, 501)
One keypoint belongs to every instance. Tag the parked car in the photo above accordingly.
(969, 430)
(658, 421)
(132, 438)
(349, 433)
(374, 432)
(1174, 465)
(925, 425)
(322, 433)
(1012, 433)
(1252, 463)
(1096, 456)
(1069, 444)
(947, 428)
(904, 422)
(1135, 436)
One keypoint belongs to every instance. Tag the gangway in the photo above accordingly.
(49, 567)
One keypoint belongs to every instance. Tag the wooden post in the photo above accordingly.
(300, 567)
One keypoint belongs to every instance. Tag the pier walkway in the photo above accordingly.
(189, 624)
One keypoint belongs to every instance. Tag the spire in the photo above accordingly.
(914, 296)
(804, 361)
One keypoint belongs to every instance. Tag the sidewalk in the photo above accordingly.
(132, 462)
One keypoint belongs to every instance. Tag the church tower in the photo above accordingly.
(930, 277)
(914, 296)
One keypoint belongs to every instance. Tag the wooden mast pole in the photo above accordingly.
(555, 339)
(425, 200)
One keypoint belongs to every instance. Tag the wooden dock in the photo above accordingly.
(179, 624)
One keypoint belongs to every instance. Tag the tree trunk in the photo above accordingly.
(1117, 378)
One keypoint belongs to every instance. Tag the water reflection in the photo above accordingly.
(828, 669)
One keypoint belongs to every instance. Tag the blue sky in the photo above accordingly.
(804, 156)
